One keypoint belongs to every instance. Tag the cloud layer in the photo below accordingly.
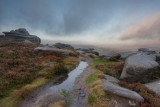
(145, 30)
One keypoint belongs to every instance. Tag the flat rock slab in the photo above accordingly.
(139, 68)
(155, 86)
(111, 79)
(120, 91)
(63, 51)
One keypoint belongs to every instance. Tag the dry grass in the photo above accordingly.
(97, 96)
(17, 95)
(71, 62)
(111, 68)
(60, 103)
(150, 97)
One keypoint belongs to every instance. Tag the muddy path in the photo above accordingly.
(80, 91)
(51, 91)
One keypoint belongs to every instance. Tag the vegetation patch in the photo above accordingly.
(71, 62)
(17, 95)
(21, 64)
(57, 70)
(111, 68)
(60, 103)
(151, 99)
(91, 79)
(97, 97)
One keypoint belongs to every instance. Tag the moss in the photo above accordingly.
(91, 99)
(91, 79)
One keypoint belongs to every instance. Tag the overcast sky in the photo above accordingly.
(101, 22)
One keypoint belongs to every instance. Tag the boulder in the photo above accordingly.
(111, 79)
(2, 34)
(155, 86)
(112, 57)
(145, 51)
(139, 68)
(20, 35)
(126, 54)
(63, 51)
(63, 46)
(120, 91)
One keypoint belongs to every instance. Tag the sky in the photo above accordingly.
(110, 23)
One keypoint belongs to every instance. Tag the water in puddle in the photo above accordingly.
(69, 82)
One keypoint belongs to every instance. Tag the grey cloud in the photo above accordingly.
(146, 29)
(64, 17)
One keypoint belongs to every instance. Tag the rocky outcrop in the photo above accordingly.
(139, 68)
(145, 51)
(112, 57)
(64, 52)
(120, 91)
(20, 35)
(85, 49)
(2, 34)
(89, 51)
(155, 86)
(63, 46)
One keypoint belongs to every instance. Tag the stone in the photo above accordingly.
(20, 35)
(145, 51)
(139, 68)
(85, 49)
(2, 34)
(111, 79)
(112, 57)
(126, 54)
(155, 86)
(63, 51)
(63, 46)
(120, 91)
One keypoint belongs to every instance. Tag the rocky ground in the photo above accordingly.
(115, 80)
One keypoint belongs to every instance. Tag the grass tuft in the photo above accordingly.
(16, 96)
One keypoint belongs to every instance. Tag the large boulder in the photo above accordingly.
(139, 68)
(120, 91)
(20, 35)
(155, 86)
(63, 51)
(2, 34)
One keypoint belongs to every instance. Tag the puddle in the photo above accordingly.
(67, 84)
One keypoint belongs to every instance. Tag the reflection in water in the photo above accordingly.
(66, 85)
(69, 82)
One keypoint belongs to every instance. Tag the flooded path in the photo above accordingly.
(50, 93)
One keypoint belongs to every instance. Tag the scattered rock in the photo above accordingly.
(20, 35)
(63, 46)
(139, 68)
(112, 57)
(85, 49)
(155, 86)
(145, 51)
(64, 52)
(81, 93)
(120, 91)
(132, 103)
